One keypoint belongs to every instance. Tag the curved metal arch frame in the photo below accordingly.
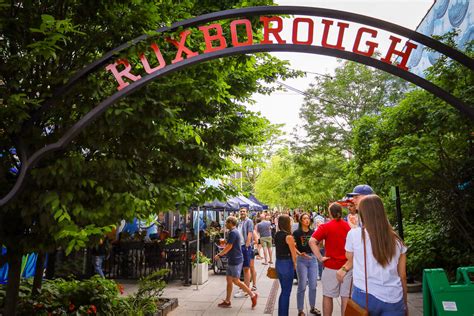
(278, 10)
(29, 163)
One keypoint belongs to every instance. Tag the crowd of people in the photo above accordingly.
(358, 257)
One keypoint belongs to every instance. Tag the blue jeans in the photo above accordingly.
(285, 272)
(307, 270)
(378, 307)
(97, 261)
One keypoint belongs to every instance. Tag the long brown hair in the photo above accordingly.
(301, 220)
(284, 223)
(383, 238)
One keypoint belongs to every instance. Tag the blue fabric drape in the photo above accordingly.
(28, 270)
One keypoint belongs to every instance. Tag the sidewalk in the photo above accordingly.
(203, 299)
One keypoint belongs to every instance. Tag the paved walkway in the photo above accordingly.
(203, 299)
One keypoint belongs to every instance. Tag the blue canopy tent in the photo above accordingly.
(216, 204)
(252, 205)
(219, 205)
(255, 200)
(238, 201)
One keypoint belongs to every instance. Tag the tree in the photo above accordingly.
(251, 160)
(146, 153)
(333, 104)
(426, 147)
(289, 182)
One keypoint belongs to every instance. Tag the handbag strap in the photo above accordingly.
(365, 269)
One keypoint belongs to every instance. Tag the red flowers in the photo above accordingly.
(92, 310)
(71, 307)
(120, 288)
(38, 306)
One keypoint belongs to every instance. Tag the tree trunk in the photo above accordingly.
(13, 285)
(38, 280)
(51, 265)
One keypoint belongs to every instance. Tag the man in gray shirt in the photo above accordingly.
(264, 230)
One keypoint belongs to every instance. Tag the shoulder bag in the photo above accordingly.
(352, 308)
(272, 273)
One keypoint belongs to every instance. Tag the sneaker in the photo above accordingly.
(224, 304)
(315, 311)
(254, 288)
(254, 300)
(240, 294)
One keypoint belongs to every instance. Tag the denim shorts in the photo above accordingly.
(248, 254)
(234, 270)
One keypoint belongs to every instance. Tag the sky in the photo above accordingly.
(283, 106)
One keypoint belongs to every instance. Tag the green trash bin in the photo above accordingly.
(443, 298)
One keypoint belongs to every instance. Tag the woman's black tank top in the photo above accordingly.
(282, 249)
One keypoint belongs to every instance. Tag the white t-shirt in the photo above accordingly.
(383, 282)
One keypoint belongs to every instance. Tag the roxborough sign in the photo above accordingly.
(314, 31)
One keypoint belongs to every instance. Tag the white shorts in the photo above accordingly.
(332, 287)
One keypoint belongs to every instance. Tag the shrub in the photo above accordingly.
(431, 245)
(89, 297)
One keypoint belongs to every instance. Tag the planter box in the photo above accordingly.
(414, 287)
(200, 274)
(168, 305)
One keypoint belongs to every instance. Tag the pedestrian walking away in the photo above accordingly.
(235, 259)
(334, 235)
(306, 265)
(99, 253)
(285, 262)
(265, 232)
(385, 261)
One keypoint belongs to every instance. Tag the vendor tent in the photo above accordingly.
(255, 200)
(238, 201)
(251, 205)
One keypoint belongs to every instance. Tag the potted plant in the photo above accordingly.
(200, 272)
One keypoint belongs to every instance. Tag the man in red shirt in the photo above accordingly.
(334, 235)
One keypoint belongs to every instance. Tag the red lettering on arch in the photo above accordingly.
(372, 45)
(159, 57)
(182, 47)
(124, 73)
(275, 31)
(208, 38)
(404, 55)
(233, 32)
(310, 22)
(327, 25)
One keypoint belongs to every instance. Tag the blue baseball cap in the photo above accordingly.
(361, 189)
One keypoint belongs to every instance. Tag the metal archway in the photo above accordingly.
(29, 162)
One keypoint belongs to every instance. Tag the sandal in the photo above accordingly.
(301, 313)
(224, 304)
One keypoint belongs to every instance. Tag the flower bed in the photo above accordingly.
(94, 296)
